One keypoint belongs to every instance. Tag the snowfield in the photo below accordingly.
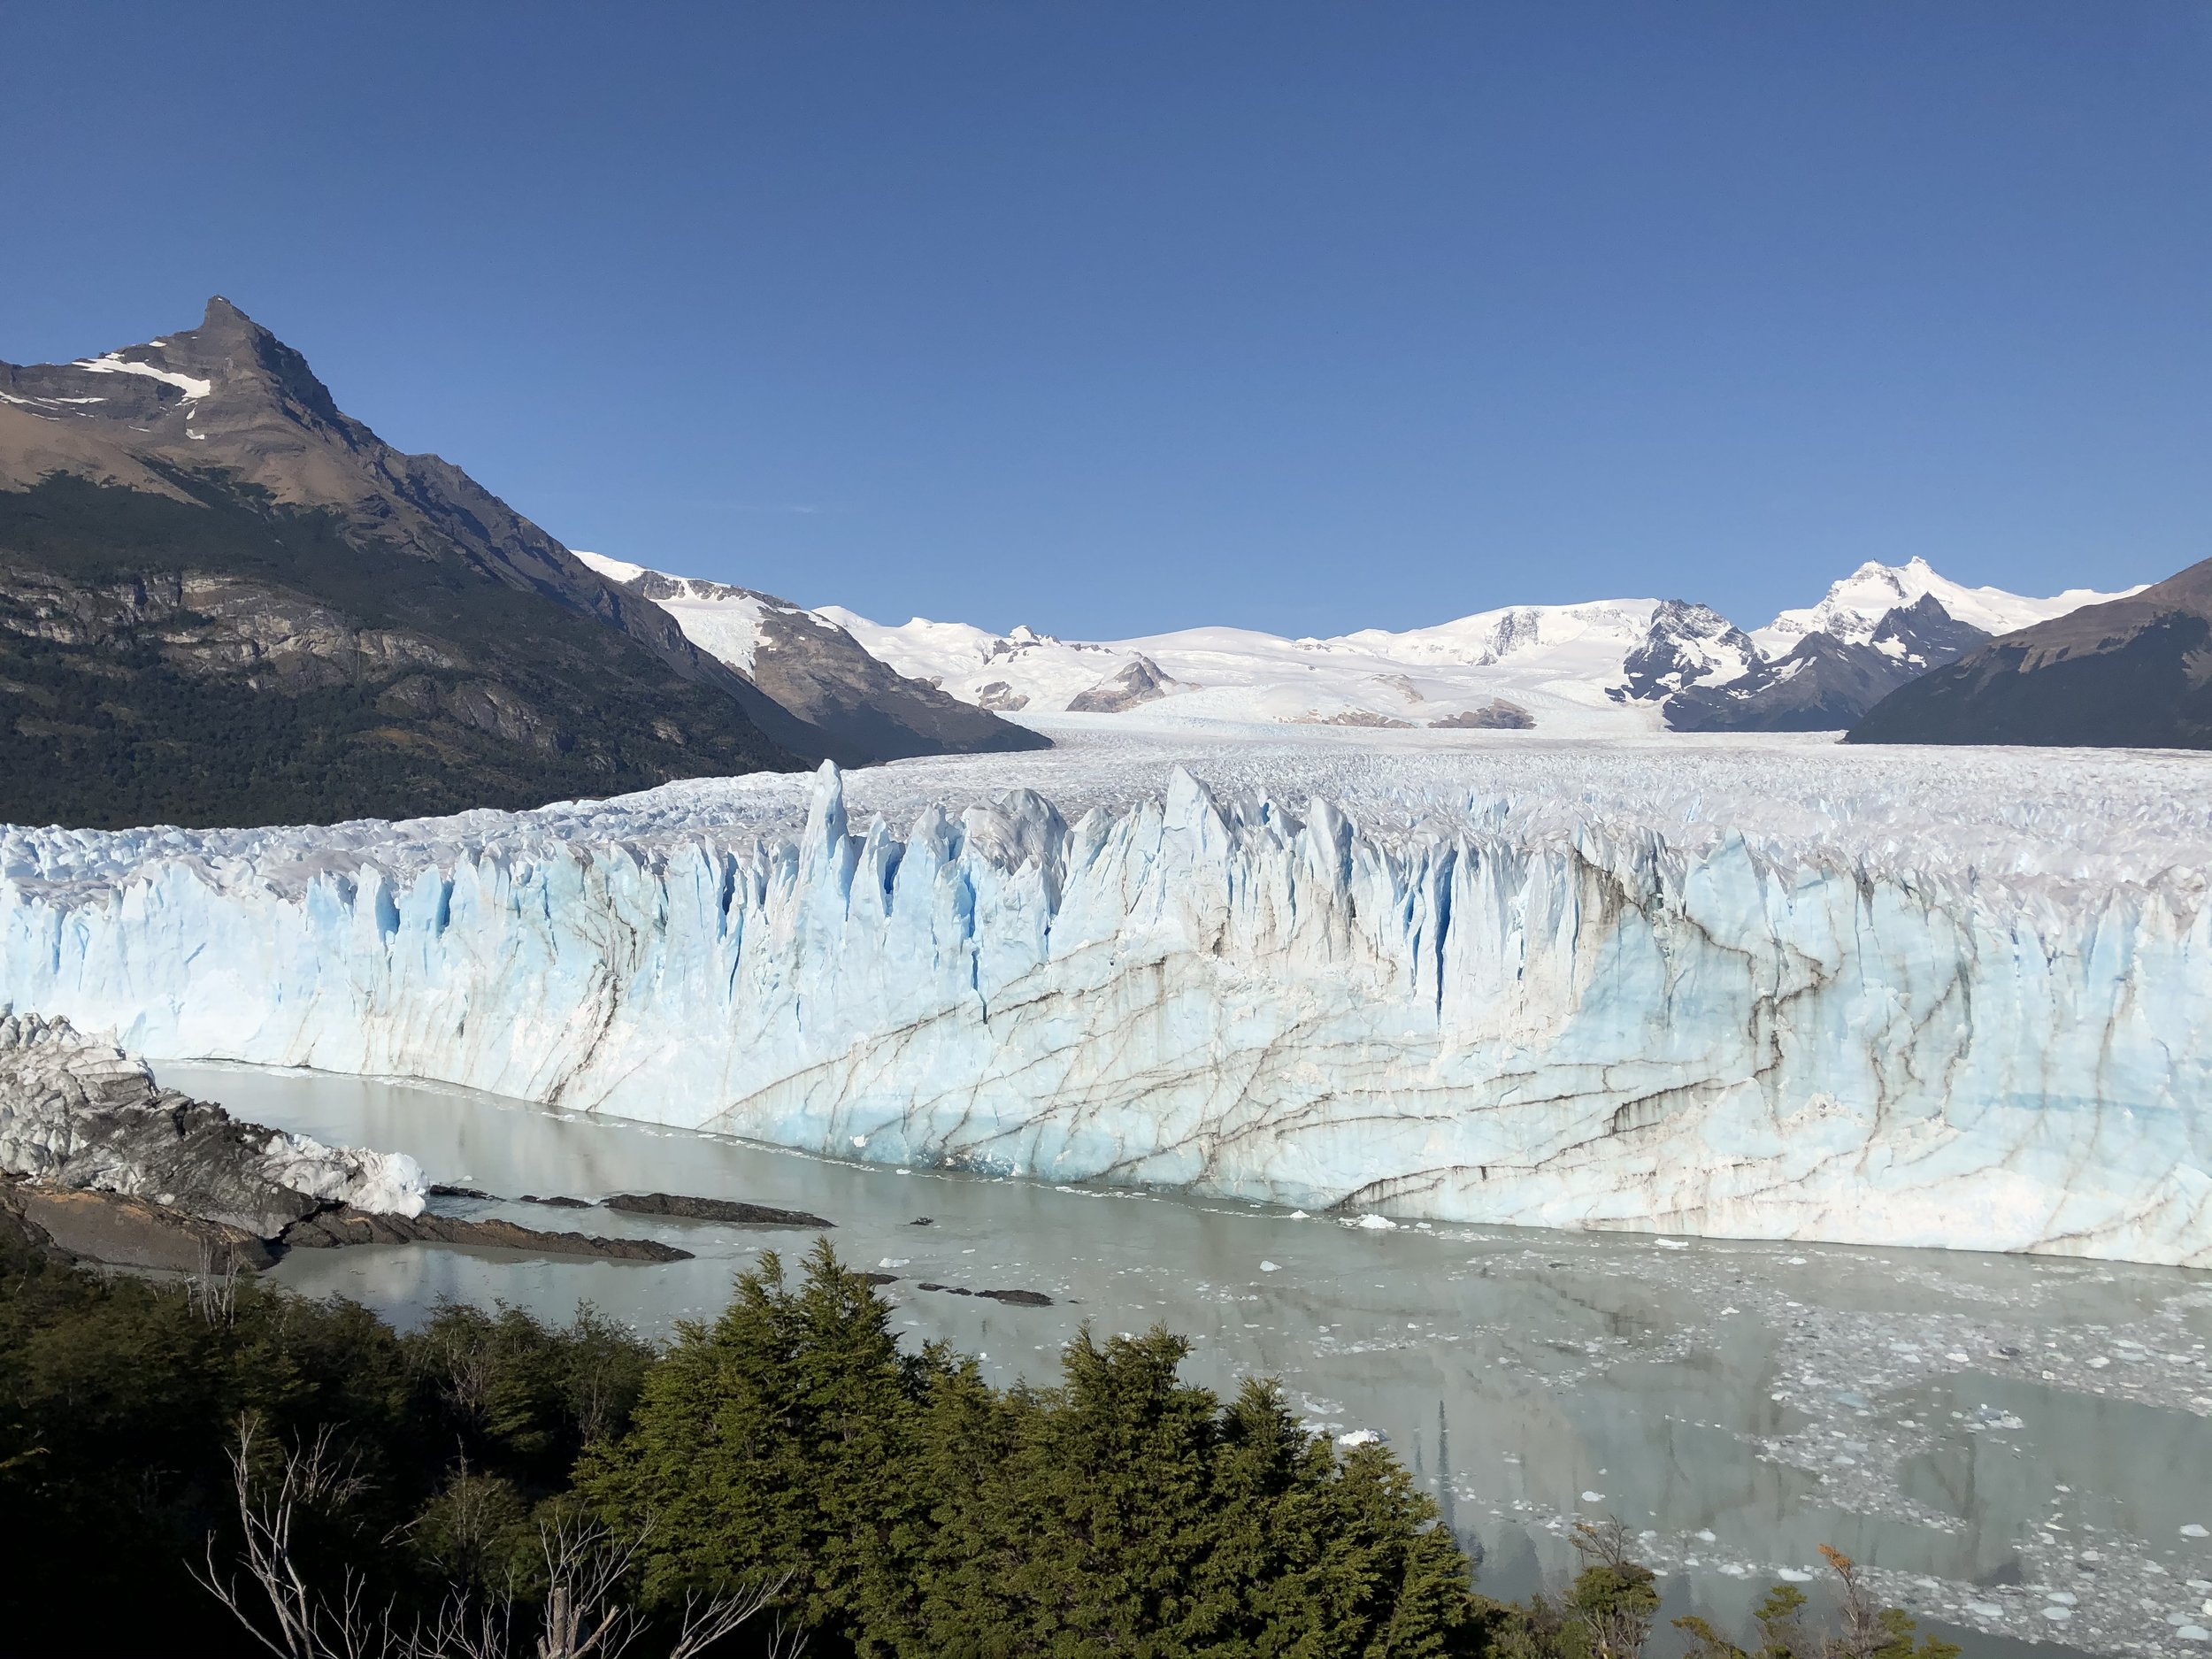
(1594, 669)
(1764, 987)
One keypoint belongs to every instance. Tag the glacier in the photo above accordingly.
(1767, 989)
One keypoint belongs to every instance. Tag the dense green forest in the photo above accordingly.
(784, 1477)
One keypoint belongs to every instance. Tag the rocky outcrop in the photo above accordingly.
(122, 1232)
(712, 1209)
(1139, 682)
(1010, 1298)
(1497, 715)
(344, 1226)
(77, 1114)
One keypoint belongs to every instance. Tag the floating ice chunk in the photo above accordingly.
(1792, 1575)
(1705, 1535)
(2058, 1615)
(1593, 1497)
(1377, 1224)
(2193, 1530)
(2061, 1598)
(1270, 1267)
(2099, 1362)
(1672, 1244)
(1300, 1214)
(1361, 1437)
(1984, 1610)
(1957, 1358)
(2194, 1632)
(860, 1141)
(893, 1261)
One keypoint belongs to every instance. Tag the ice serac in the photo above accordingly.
(1494, 1007)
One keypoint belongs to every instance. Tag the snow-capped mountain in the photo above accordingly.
(1561, 668)
(1613, 665)
(1853, 608)
(853, 705)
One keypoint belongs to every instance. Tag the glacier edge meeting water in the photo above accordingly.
(1595, 1023)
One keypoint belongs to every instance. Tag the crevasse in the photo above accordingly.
(1591, 1028)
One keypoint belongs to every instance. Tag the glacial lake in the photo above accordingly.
(2020, 1448)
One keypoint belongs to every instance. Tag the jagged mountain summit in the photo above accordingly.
(2135, 671)
(1881, 627)
(810, 666)
(1613, 666)
(224, 601)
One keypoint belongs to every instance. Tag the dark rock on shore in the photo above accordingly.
(344, 1226)
(77, 1113)
(712, 1209)
(439, 1189)
(557, 1203)
(125, 1232)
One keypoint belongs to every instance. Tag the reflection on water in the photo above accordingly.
(1986, 1432)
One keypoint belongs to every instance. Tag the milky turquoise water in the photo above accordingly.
(1992, 1435)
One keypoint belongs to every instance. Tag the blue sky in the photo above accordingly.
(1117, 317)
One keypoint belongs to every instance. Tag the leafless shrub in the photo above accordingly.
(588, 1565)
(213, 1294)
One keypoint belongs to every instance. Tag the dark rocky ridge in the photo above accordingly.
(2135, 672)
(856, 707)
(1680, 648)
(223, 601)
(347, 1225)
(1824, 684)
(727, 1210)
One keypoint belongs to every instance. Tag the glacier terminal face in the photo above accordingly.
(1756, 988)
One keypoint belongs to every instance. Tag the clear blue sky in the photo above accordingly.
(1112, 316)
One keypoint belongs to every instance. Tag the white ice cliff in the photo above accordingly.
(1725, 996)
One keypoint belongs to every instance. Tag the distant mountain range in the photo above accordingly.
(1609, 666)
(224, 601)
(2133, 671)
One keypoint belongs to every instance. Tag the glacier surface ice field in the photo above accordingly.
(1771, 989)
